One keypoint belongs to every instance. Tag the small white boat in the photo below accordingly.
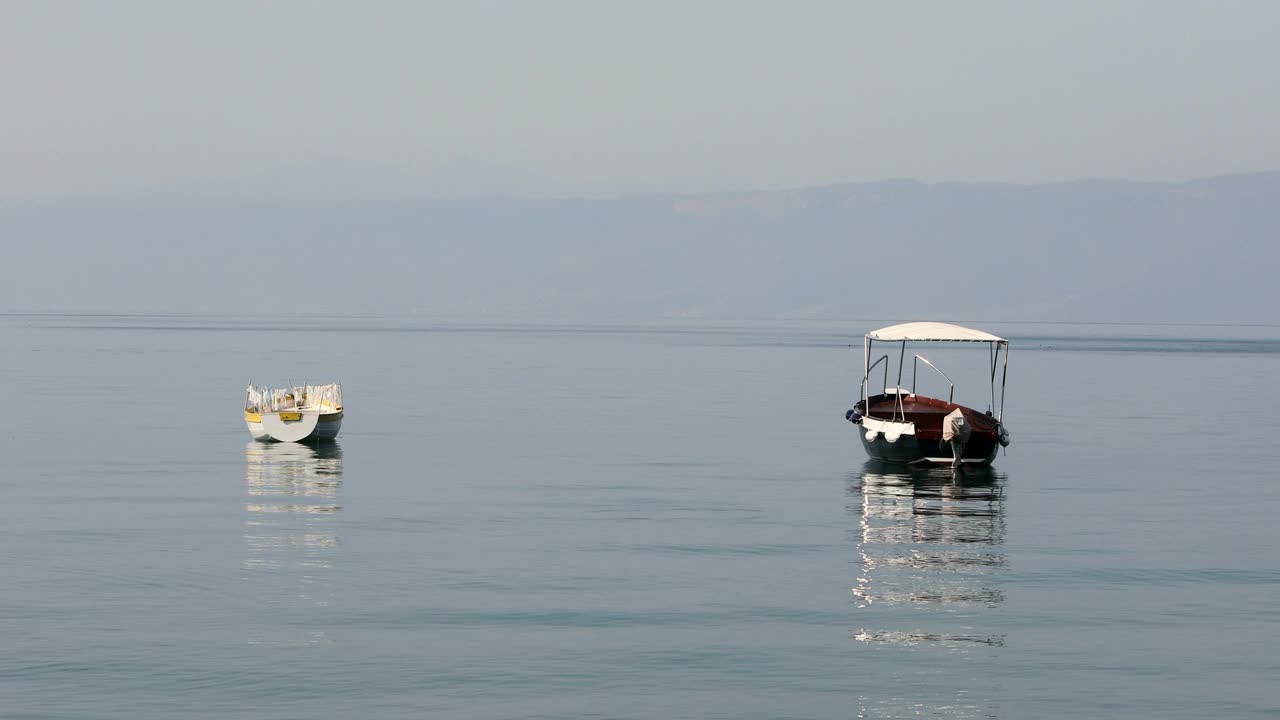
(300, 413)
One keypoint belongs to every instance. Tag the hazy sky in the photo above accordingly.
(671, 95)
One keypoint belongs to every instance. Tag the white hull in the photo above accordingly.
(325, 427)
(257, 431)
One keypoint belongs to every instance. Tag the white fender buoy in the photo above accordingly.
(893, 435)
(871, 435)
(289, 430)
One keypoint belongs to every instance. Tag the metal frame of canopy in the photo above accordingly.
(929, 332)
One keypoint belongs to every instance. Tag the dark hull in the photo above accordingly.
(908, 450)
(927, 444)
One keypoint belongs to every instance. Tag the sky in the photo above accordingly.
(654, 95)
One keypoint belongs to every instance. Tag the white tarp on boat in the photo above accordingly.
(291, 398)
(931, 332)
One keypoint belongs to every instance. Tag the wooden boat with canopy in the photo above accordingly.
(899, 425)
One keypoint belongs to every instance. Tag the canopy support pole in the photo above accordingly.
(866, 374)
(897, 393)
(1004, 379)
(993, 351)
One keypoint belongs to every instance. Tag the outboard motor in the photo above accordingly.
(956, 431)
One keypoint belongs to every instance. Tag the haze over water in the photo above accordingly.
(641, 521)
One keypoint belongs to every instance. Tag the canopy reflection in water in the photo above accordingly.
(929, 563)
(292, 497)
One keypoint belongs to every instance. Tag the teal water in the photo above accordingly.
(628, 522)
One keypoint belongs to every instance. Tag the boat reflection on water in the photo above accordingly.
(929, 563)
(311, 475)
(292, 498)
(929, 539)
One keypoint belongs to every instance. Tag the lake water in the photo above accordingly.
(668, 521)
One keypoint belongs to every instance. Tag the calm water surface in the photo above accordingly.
(639, 522)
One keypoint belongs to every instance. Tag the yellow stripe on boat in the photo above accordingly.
(289, 416)
(253, 416)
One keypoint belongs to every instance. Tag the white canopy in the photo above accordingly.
(931, 332)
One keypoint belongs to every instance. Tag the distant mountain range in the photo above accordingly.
(1199, 251)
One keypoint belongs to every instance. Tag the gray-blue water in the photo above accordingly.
(637, 522)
